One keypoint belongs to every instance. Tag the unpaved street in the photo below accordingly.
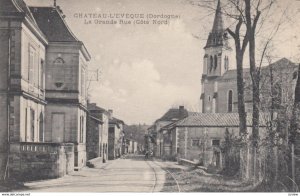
(121, 175)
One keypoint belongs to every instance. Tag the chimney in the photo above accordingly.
(110, 113)
(181, 111)
(181, 108)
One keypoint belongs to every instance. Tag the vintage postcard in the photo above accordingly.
(147, 96)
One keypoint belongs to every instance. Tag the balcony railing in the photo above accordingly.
(45, 147)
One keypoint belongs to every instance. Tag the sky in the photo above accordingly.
(148, 68)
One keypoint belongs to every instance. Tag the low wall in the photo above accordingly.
(34, 161)
(95, 163)
(80, 156)
(189, 163)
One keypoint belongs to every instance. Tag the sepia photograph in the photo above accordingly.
(149, 96)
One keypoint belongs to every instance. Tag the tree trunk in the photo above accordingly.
(255, 76)
(240, 90)
(253, 72)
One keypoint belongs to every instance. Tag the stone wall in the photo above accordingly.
(67, 129)
(174, 142)
(92, 138)
(111, 143)
(33, 161)
(206, 152)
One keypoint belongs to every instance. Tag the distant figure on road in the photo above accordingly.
(147, 155)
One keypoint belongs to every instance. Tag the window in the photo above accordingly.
(215, 62)
(195, 142)
(83, 82)
(42, 72)
(230, 100)
(211, 61)
(59, 61)
(26, 125)
(215, 142)
(32, 127)
(58, 127)
(31, 64)
(226, 63)
(59, 72)
(214, 105)
(277, 95)
(295, 74)
(81, 129)
(41, 127)
(100, 150)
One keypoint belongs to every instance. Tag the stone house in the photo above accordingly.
(155, 132)
(116, 143)
(24, 152)
(97, 133)
(200, 137)
(132, 146)
(66, 75)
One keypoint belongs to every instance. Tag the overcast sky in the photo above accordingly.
(146, 69)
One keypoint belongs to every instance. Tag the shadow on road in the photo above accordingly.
(137, 157)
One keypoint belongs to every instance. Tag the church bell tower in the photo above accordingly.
(215, 62)
(216, 58)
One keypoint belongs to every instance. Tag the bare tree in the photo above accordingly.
(239, 56)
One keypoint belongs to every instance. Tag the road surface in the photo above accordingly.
(121, 175)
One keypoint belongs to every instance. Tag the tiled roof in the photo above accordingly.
(94, 107)
(169, 126)
(22, 5)
(174, 114)
(280, 64)
(172, 124)
(52, 24)
(18, 8)
(217, 120)
(96, 118)
(8, 6)
(116, 121)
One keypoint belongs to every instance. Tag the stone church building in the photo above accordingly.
(219, 90)
(219, 84)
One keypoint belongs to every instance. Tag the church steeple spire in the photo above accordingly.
(216, 36)
(218, 25)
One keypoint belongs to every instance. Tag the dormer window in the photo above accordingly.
(59, 61)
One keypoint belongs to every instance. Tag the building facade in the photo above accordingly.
(201, 136)
(97, 133)
(23, 49)
(116, 142)
(156, 133)
(66, 75)
(43, 93)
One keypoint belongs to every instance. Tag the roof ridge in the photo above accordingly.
(41, 17)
